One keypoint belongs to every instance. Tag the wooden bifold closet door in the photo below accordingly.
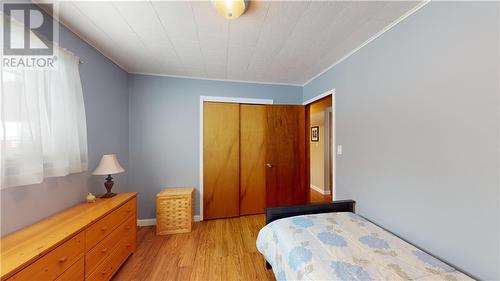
(221, 160)
(253, 158)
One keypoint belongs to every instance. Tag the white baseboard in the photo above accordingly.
(149, 222)
(320, 190)
(146, 222)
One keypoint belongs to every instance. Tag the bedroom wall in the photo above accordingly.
(106, 105)
(417, 114)
(164, 130)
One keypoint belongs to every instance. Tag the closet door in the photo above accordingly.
(285, 153)
(252, 159)
(221, 160)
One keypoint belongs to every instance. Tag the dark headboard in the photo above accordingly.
(276, 213)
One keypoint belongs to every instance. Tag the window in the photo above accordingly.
(43, 129)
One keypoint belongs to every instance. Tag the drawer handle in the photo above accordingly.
(104, 228)
(128, 210)
(104, 250)
(63, 259)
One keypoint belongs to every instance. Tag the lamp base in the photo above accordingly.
(108, 195)
(109, 185)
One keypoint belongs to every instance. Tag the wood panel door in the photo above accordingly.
(285, 153)
(252, 159)
(221, 148)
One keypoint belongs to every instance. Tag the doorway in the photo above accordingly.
(321, 149)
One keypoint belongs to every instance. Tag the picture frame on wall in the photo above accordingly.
(315, 134)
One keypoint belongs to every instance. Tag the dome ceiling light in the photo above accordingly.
(231, 9)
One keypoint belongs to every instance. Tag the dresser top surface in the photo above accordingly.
(20, 248)
(176, 191)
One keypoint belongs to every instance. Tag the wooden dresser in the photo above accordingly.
(89, 241)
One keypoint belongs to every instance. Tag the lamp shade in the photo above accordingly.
(109, 165)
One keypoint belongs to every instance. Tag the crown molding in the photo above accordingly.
(216, 79)
(378, 34)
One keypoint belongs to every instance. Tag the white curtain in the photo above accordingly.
(43, 126)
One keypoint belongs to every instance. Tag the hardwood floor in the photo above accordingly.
(222, 249)
(316, 197)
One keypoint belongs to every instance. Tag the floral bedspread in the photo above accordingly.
(345, 246)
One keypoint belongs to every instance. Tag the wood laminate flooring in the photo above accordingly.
(316, 197)
(222, 249)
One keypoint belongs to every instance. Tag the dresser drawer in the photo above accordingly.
(75, 273)
(106, 269)
(104, 248)
(100, 229)
(53, 264)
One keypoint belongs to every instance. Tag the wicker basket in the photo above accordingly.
(174, 210)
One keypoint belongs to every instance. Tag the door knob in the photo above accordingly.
(269, 165)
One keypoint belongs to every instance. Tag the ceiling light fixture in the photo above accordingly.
(231, 9)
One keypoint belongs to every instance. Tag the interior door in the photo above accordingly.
(252, 159)
(285, 153)
(221, 160)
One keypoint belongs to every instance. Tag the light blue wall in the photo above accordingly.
(106, 105)
(417, 112)
(165, 129)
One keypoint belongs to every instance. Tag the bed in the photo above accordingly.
(331, 242)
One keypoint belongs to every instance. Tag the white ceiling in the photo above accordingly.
(273, 42)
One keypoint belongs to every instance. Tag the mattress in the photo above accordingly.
(345, 246)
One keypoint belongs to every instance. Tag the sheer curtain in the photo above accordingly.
(43, 129)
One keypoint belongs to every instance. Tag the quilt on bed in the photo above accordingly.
(345, 246)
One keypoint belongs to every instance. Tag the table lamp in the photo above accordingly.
(108, 166)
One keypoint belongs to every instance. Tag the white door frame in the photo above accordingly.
(328, 149)
(219, 99)
(333, 149)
